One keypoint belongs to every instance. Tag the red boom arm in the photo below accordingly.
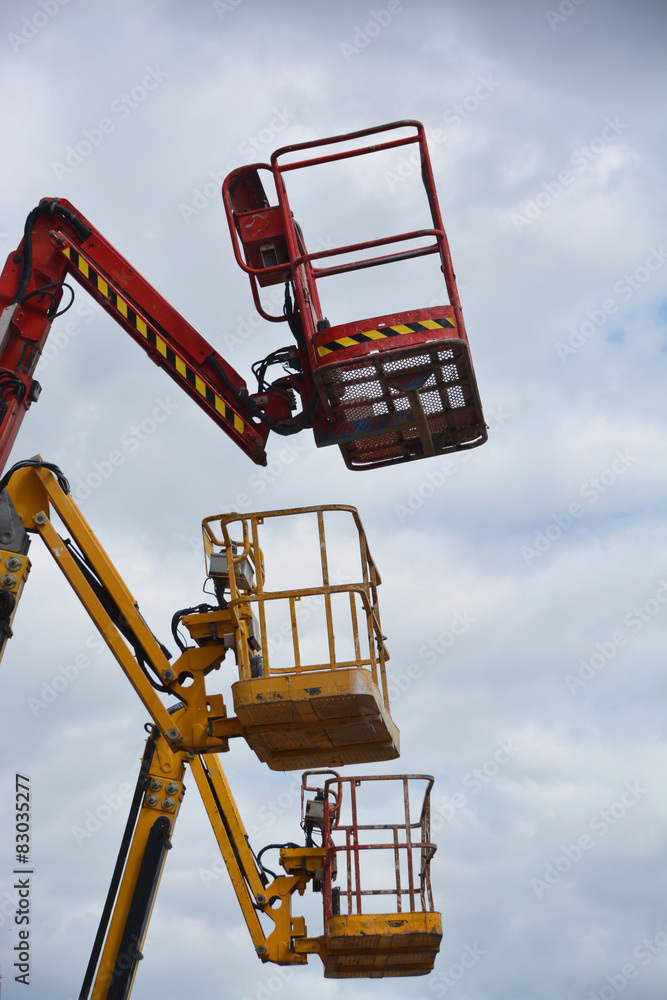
(386, 389)
(59, 242)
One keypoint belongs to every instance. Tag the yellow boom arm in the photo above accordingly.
(338, 713)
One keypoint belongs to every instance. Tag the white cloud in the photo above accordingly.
(481, 637)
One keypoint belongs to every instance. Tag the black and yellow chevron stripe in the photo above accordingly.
(442, 323)
(147, 330)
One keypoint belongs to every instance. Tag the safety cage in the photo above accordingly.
(378, 906)
(312, 679)
(392, 387)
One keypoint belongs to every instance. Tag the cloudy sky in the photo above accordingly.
(524, 583)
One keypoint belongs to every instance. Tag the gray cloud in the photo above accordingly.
(494, 589)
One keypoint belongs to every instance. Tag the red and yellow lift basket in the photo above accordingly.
(378, 907)
(390, 388)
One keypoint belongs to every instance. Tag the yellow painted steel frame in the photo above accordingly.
(14, 570)
(201, 724)
(287, 944)
(193, 731)
(273, 900)
(33, 492)
(163, 799)
(306, 705)
(218, 535)
(183, 734)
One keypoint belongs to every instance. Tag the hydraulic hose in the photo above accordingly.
(295, 425)
(47, 207)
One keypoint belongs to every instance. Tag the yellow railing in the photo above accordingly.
(283, 612)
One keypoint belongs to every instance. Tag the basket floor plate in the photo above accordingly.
(376, 946)
(319, 719)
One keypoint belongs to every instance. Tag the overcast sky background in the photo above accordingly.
(506, 570)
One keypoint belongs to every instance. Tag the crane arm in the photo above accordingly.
(31, 493)
(189, 733)
(389, 388)
(119, 942)
(59, 242)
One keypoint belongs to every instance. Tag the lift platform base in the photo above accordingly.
(315, 719)
(374, 946)
(397, 391)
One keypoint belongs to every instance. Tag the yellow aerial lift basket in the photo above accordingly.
(298, 705)
(303, 700)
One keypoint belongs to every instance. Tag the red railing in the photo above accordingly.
(298, 258)
(377, 859)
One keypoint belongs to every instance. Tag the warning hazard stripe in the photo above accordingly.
(152, 337)
(443, 323)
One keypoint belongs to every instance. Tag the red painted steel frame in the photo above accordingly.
(298, 262)
(195, 370)
(343, 858)
(357, 368)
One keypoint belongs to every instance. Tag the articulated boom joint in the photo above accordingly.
(295, 705)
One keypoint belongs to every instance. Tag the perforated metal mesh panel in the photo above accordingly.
(399, 405)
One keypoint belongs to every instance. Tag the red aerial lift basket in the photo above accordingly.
(390, 388)
(378, 907)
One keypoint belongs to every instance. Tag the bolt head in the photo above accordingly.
(156, 784)
(171, 788)
(173, 734)
(167, 802)
(261, 950)
(151, 799)
(14, 562)
(40, 518)
(8, 580)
